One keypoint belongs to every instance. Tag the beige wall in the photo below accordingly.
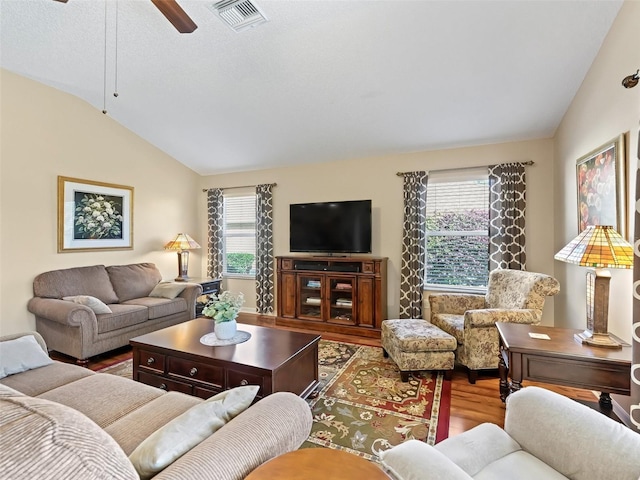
(375, 179)
(600, 111)
(46, 133)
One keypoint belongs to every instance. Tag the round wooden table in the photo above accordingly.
(318, 464)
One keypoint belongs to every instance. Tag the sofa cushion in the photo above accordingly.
(20, 355)
(92, 281)
(133, 281)
(93, 303)
(122, 316)
(184, 432)
(104, 398)
(475, 448)
(168, 289)
(40, 380)
(132, 429)
(519, 465)
(160, 307)
(43, 439)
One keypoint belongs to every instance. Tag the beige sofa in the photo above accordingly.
(77, 330)
(62, 421)
(546, 436)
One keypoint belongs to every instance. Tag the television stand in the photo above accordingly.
(345, 295)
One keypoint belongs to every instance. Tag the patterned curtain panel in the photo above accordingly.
(413, 244)
(634, 409)
(507, 191)
(215, 247)
(264, 248)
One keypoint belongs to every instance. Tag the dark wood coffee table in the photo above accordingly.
(560, 360)
(277, 360)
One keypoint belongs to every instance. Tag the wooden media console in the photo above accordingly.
(344, 295)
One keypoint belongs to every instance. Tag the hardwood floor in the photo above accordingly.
(471, 405)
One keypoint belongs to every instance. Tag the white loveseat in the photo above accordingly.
(546, 436)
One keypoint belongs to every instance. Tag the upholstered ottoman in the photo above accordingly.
(417, 345)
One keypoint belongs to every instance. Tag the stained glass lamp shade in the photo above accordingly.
(599, 247)
(182, 244)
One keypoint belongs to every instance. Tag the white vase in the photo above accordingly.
(225, 330)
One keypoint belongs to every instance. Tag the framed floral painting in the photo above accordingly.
(602, 186)
(94, 215)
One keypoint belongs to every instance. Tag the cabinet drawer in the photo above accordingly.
(237, 379)
(164, 383)
(197, 371)
(152, 360)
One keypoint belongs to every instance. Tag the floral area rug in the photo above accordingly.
(362, 406)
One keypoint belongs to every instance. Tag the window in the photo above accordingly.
(457, 233)
(240, 234)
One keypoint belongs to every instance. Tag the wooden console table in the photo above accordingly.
(561, 360)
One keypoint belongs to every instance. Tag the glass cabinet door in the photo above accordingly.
(342, 300)
(310, 300)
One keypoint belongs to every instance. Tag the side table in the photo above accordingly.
(210, 286)
(318, 464)
(560, 360)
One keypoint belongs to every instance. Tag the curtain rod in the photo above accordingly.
(231, 188)
(530, 162)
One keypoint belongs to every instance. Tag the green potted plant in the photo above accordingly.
(224, 309)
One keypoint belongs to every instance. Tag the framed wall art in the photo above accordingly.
(602, 187)
(94, 215)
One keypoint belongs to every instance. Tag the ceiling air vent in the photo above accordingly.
(239, 14)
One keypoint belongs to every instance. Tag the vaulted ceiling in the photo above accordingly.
(321, 80)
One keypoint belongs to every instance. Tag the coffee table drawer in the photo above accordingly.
(164, 383)
(211, 374)
(237, 379)
(152, 360)
(204, 393)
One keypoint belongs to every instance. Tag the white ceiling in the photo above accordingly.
(322, 80)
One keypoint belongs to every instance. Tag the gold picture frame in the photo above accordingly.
(94, 215)
(601, 177)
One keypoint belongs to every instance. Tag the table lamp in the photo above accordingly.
(599, 247)
(182, 243)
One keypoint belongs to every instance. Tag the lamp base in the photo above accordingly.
(604, 340)
(183, 266)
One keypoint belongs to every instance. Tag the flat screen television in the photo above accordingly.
(331, 227)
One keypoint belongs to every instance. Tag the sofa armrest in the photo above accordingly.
(488, 317)
(190, 294)
(275, 425)
(416, 460)
(61, 311)
(455, 304)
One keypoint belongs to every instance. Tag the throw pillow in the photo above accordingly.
(92, 302)
(20, 355)
(170, 442)
(168, 290)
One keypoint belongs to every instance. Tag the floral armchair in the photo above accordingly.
(512, 296)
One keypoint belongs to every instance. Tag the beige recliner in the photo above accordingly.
(512, 296)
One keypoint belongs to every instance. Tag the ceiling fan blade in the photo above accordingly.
(62, 1)
(176, 15)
